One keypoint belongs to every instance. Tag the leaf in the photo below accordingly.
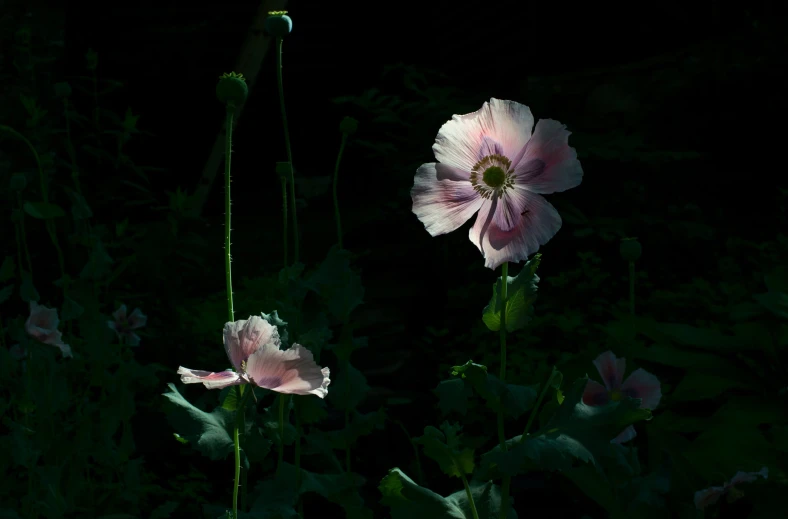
(43, 210)
(521, 294)
(207, 432)
(309, 409)
(7, 269)
(576, 432)
(27, 291)
(514, 399)
(337, 284)
(98, 265)
(79, 206)
(273, 319)
(702, 386)
(443, 446)
(408, 500)
(453, 396)
(5, 293)
(361, 424)
(348, 387)
(70, 310)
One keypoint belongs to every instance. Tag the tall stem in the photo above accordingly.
(299, 433)
(239, 425)
(501, 434)
(284, 219)
(632, 287)
(468, 494)
(287, 145)
(281, 457)
(334, 189)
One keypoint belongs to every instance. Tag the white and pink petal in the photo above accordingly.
(288, 371)
(611, 369)
(137, 319)
(245, 336)
(642, 384)
(210, 379)
(443, 198)
(595, 394)
(547, 164)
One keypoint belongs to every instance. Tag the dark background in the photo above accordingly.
(701, 86)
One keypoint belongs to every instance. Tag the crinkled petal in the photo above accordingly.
(626, 435)
(113, 326)
(443, 198)
(132, 339)
(538, 223)
(510, 208)
(460, 140)
(120, 314)
(137, 319)
(642, 384)
(595, 394)
(547, 164)
(210, 379)
(65, 349)
(707, 497)
(243, 337)
(482, 223)
(748, 477)
(287, 371)
(42, 320)
(611, 369)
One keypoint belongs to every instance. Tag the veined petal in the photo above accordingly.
(611, 369)
(748, 477)
(460, 140)
(245, 336)
(137, 319)
(626, 435)
(707, 497)
(510, 208)
(132, 339)
(120, 314)
(288, 371)
(537, 224)
(443, 198)
(482, 223)
(210, 379)
(547, 164)
(642, 384)
(595, 394)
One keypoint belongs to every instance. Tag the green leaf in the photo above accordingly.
(43, 210)
(443, 446)
(98, 265)
(208, 432)
(361, 424)
(7, 269)
(337, 284)
(453, 396)
(80, 210)
(702, 386)
(310, 409)
(576, 432)
(408, 500)
(521, 294)
(348, 387)
(70, 310)
(273, 319)
(27, 291)
(5, 293)
(514, 399)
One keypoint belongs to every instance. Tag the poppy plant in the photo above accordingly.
(489, 162)
(639, 384)
(124, 326)
(42, 325)
(252, 345)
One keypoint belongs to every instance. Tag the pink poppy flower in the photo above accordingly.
(639, 384)
(491, 163)
(124, 326)
(42, 326)
(253, 349)
(711, 495)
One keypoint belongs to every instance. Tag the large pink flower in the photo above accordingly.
(253, 349)
(42, 325)
(491, 163)
(711, 495)
(639, 384)
(124, 326)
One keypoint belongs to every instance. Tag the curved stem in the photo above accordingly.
(415, 451)
(287, 145)
(501, 434)
(334, 189)
(468, 493)
(535, 408)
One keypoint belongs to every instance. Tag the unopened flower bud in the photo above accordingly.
(278, 23)
(348, 125)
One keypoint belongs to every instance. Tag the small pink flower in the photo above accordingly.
(42, 325)
(253, 349)
(640, 384)
(491, 163)
(124, 326)
(711, 495)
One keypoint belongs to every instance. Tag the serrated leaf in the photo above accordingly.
(521, 294)
(453, 396)
(348, 387)
(337, 284)
(443, 446)
(43, 210)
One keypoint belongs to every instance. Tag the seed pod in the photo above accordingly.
(278, 23)
(630, 249)
(232, 89)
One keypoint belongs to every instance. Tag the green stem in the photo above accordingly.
(415, 451)
(336, 180)
(632, 287)
(347, 446)
(284, 217)
(299, 433)
(228, 149)
(287, 145)
(501, 433)
(535, 408)
(280, 460)
(468, 493)
(239, 425)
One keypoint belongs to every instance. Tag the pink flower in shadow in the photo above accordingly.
(42, 326)
(711, 495)
(639, 384)
(253, 349)
(490, 162)
(124, 326)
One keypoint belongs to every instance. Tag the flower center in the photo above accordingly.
(616, 395)
(496, 175)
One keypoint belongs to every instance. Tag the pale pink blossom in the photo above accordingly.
(711, 495)
(490, 163)
(639, 384)
(42, 326)
(253, 347)
(124, 326)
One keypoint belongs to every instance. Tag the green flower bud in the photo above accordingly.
(283, 170)
(62, 89)
(630, 249)
(91, 59)
(348, 125)
(278, 23)
(18, 182)
(232, 89)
